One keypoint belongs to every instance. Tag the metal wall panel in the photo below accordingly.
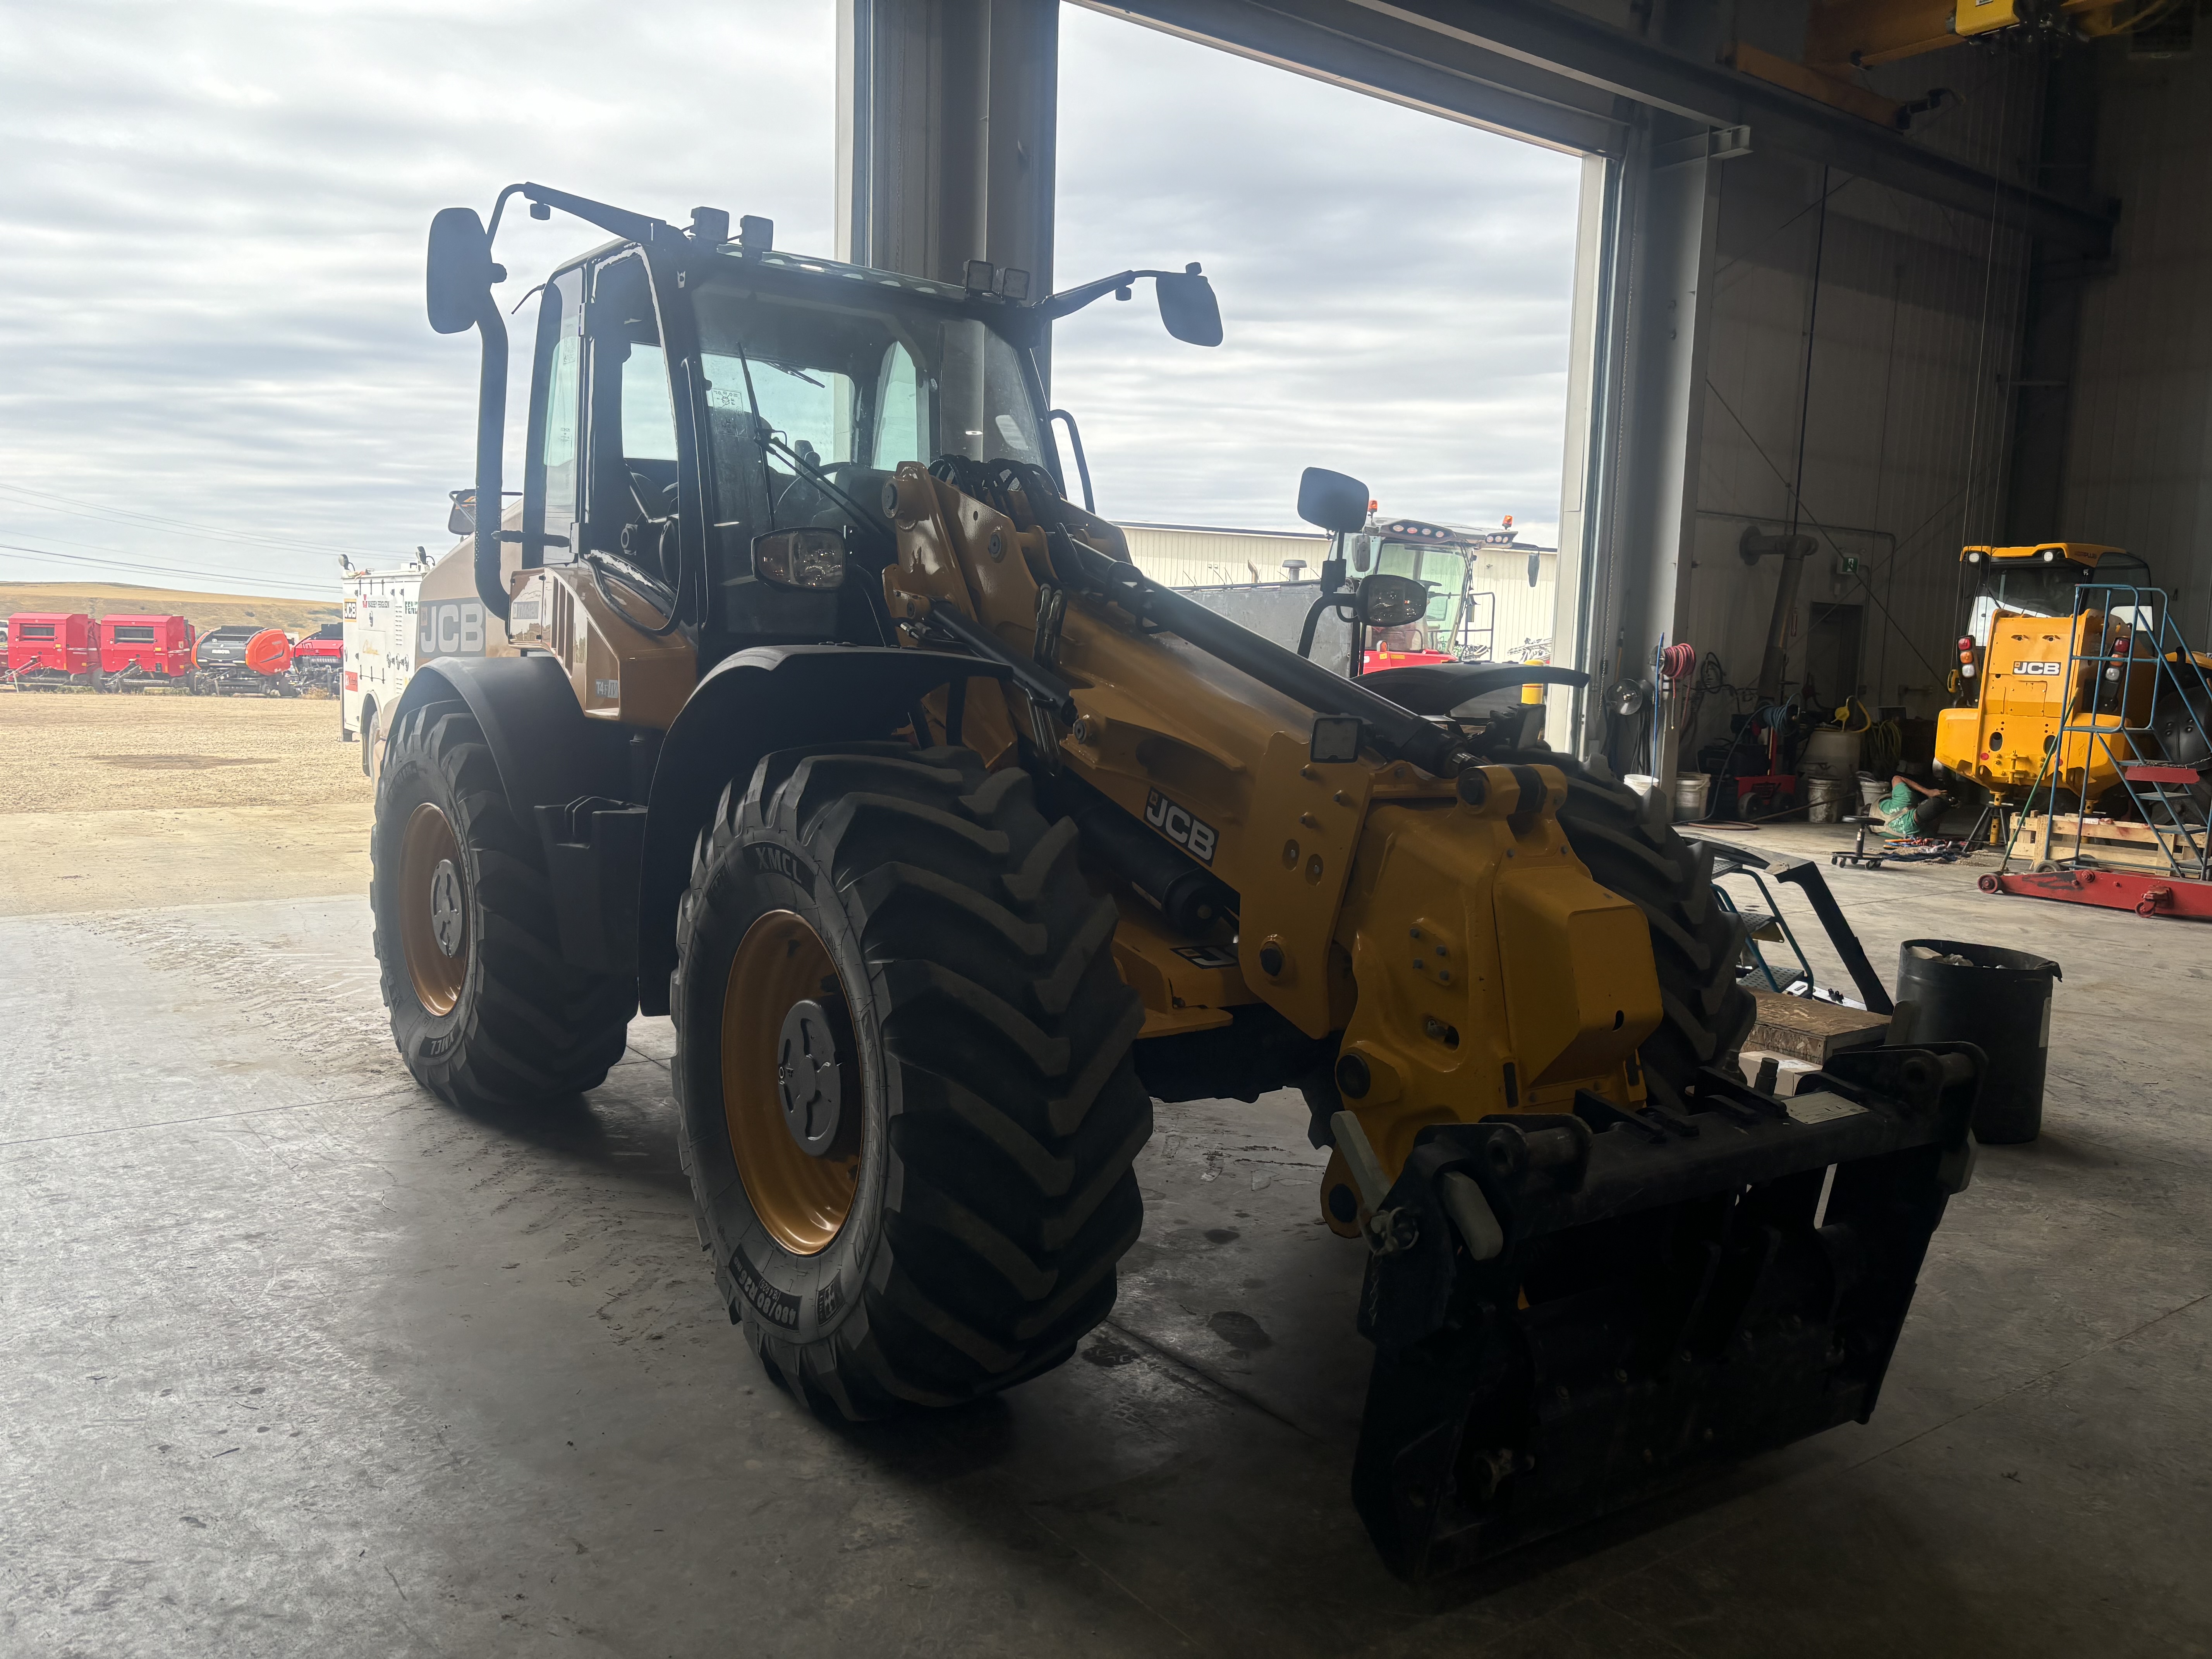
(2139, 464)
(1905, 434)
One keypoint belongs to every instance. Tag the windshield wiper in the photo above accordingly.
(763, 435)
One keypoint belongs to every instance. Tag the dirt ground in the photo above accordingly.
(111, 802)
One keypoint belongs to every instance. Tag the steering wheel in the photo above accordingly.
(641, 487)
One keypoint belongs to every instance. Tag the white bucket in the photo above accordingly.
(1824, 799)
(1690, 788)
(1829, 753)
(1643, 783)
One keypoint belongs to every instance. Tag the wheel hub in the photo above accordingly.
(792, 1093)
(445, 920)
(434, 908)
(810, 1067)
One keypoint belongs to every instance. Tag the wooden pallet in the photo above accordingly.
(2117, 843)
(1804, 1030)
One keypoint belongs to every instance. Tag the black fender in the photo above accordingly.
(750, 705)
(547, 751)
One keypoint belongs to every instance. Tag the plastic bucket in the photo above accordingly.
(1643, 783)
(1690, 797)
(1829, 753)
(1999, 1000)
(1872, 793)
(1824, 799)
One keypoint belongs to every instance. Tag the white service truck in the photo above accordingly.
(395, 620)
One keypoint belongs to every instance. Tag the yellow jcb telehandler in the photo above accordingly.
(2072, 680)
(834, 730)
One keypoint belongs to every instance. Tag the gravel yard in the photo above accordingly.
(108, 802)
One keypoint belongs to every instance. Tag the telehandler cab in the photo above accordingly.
(831, 727)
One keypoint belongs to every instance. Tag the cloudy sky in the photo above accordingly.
(214, 372)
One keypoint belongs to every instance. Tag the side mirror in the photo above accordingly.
(1188, 306)
(1536, 569)
(1333, 501)
(460, 272)
(812, 558)
(462, 520)
(1392, 601)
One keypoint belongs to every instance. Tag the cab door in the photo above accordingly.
(552, 474)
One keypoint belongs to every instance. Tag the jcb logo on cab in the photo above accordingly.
(451, 627)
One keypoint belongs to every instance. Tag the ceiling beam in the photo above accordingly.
(1544, 71)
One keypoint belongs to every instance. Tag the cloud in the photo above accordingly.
(212, 222)
(1394, 289)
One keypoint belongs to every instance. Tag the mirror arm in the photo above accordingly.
(1313, 619)
(1074, 298)
(638, 227)
(491, 436)
(1075, 443)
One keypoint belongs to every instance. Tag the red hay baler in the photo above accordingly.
(136, 652)
(52, 650)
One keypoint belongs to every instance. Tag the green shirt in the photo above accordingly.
(1897, 810)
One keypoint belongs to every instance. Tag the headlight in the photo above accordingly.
(810, 558)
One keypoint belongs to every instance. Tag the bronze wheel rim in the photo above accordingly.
(434, 908)
(802, 1199)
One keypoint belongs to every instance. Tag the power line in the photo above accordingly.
(125, 516)
(127, 553)
(166, 570)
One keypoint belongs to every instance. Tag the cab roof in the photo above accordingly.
(2081, 553)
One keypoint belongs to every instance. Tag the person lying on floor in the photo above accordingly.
(1904, 815)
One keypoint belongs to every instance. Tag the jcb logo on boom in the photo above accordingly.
(450, 627)
(1194, 836)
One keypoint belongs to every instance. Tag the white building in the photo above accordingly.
(1509, 619)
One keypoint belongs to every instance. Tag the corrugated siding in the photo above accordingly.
(1907, 430)
(1522, 616)
(2139, 442)
(1185, 557)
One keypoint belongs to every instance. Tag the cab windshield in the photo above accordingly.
(1444, 570)
(854, 388)
(2031, 587)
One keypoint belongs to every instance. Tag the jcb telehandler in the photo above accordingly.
(2062, 691)
(834, 730)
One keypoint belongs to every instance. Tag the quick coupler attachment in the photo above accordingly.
(1639, 1293)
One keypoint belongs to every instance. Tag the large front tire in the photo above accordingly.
(907, 1103)
(484, 1010)
(1631, 849)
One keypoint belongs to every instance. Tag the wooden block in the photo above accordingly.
(1809, 1030)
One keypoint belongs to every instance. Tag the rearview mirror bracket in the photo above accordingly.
(458, 280)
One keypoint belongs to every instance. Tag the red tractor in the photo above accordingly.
(51, 651)
(136, 652)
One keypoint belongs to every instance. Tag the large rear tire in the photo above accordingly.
(484, 1010)
(907, 1103)
(1631, 849)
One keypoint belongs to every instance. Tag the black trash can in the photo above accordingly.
(1998, 998)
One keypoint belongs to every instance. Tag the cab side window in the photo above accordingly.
(551, 477)
(630, 487)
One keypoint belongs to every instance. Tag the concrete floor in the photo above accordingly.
(294, 1360)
